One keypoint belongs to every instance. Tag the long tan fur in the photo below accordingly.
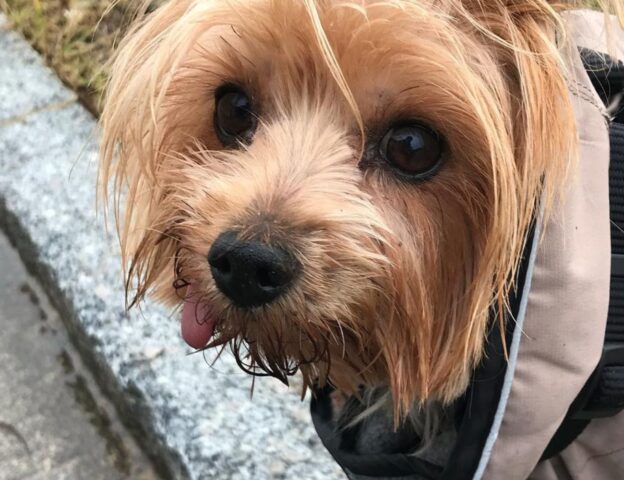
(398, 279)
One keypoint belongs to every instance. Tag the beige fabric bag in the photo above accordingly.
(566, 313)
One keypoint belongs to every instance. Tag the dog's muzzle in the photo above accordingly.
(249, 272)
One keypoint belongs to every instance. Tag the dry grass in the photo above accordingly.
(76, 37)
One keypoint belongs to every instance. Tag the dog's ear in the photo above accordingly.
(527, 96)
(131, 147)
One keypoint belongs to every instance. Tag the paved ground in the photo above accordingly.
(54, 424)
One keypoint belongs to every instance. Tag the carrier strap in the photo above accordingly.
(607, 395)
(607, 78)
(603, 394)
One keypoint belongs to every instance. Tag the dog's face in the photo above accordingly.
(341, 187)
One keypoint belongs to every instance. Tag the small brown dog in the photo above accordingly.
(338, 187)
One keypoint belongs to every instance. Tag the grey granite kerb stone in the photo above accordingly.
(197, 422)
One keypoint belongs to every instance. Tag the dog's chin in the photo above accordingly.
(203, 326)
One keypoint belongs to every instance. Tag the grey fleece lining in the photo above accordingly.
(513, 354)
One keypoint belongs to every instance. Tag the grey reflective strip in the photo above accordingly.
(513, 354)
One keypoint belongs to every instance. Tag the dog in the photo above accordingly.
(338, 188)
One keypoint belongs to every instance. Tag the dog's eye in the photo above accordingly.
(234, 120)
(412, 149)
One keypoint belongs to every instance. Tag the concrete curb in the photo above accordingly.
(194, 422)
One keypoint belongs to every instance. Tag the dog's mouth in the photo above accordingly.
(270, 351)
(198, 320)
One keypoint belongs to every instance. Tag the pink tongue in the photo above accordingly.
(197, 321)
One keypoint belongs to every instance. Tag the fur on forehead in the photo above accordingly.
(325, 76)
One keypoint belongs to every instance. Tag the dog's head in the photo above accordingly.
(338, 187)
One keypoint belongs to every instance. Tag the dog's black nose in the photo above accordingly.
(250, 273)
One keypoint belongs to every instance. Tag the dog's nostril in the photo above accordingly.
(250, 273)
(264, 279)
(269, 277)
